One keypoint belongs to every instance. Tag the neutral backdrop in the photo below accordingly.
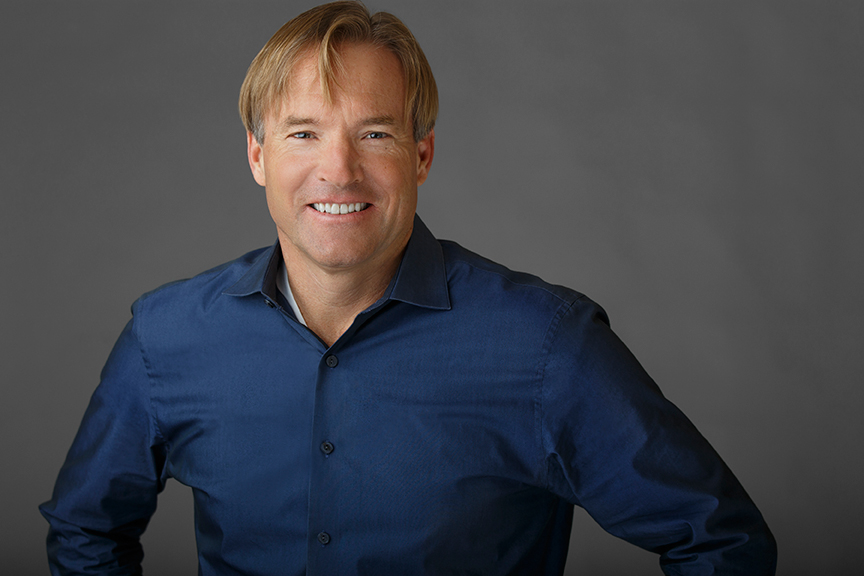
(694, 166)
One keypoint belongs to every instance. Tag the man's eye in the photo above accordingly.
(301, 135)
(376, 135)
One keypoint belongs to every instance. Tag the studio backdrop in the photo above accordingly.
(694, 166)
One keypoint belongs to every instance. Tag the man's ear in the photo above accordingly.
(256, 158)
(425, 153)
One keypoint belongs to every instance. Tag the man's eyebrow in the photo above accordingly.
(385, 120)
(292, 121)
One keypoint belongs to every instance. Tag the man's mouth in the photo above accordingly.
(340, 208)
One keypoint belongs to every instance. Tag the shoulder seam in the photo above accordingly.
(551, 332)
(148, 368)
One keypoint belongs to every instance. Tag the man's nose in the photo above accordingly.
(340, 163)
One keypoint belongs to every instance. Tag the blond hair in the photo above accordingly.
(323, 29)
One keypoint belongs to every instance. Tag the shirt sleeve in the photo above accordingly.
(106, 490)
(615, 446)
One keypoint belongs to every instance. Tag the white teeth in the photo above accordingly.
(339, 208)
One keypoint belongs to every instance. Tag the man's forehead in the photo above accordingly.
(367, 77)
(352, 64)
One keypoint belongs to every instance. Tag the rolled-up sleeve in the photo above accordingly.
(106, 490)
(615, 446)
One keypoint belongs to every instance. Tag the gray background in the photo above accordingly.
(696, 167)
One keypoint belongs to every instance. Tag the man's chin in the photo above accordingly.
(346, 250)
(340, 257)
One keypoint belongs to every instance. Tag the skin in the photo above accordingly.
(358, 148)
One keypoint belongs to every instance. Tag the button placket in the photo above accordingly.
(328, 474)
(327, 447)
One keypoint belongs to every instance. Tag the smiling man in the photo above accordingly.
(341, 167)
(361, 398)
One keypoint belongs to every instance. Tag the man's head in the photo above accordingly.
(340, 108)
(322, 30)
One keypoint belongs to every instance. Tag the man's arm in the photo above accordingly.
(106, 491)
(615, 446)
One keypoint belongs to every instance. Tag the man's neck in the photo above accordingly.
(329, 300)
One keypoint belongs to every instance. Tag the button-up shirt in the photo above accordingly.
(450, 430)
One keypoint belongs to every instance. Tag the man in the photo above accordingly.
(361, 398)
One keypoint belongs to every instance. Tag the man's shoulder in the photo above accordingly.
(484, 278)
(204, 288)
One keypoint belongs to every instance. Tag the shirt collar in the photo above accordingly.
(422, 276)
(421, 279)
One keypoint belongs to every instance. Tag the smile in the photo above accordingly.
(339, 208)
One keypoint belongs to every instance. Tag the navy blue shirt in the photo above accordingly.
(450, 430)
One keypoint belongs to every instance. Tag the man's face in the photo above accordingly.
(356, 156)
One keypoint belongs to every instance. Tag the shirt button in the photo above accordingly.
(327, 447)
(331, 361)
(323, 538)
